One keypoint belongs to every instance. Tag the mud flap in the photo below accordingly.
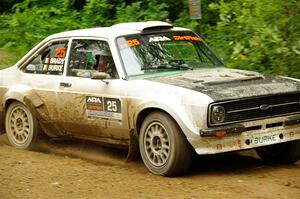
(33, 103)
(133, 150)
(2, 121)
(40, 111)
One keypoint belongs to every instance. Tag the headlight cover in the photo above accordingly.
(217, 114)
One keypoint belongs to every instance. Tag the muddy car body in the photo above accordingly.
(159, 86)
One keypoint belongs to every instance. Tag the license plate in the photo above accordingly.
(265, 139)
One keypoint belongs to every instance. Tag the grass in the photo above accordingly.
(7, 58)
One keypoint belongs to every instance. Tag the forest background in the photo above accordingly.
(260, 35)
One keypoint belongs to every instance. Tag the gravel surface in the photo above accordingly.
(77, 169)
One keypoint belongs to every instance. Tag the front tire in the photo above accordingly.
(21, 126)
(283, 153)
(163, 147)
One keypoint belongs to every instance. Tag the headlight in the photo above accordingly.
(217, 114)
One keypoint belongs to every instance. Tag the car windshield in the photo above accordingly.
(177, 50)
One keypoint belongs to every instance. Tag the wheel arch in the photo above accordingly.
(24, 95)
(141, 116)
(8, 102)
(35, 105)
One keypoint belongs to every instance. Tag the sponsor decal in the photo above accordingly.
(94, 103)
(46, 65)
(94, 100)
(133, 42)
(54, 68)
(103, 107)
(54, 64)
(159, 38)
(60, 52)
(265, 139)
(57, 61)
(186, 38)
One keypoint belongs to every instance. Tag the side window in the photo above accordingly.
(88, 56)
(50, 60)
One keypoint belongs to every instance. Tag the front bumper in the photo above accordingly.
(247, 135)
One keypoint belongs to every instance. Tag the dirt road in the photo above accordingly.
(74, 169)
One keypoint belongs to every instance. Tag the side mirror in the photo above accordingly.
(99, 75)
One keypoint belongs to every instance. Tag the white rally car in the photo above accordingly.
(152, 87)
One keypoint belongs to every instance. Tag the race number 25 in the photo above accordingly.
(112, 105)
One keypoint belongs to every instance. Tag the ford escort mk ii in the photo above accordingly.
(152, 87)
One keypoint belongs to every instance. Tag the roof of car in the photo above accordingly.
(107, 32)
(116, 30)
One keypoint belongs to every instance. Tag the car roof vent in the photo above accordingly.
(144, 26)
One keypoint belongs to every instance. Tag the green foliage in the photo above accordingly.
(6, 5)
(141, 11)
(262, 35)
(32, 21)
(259, 35)
(7, 59)
(97, 13)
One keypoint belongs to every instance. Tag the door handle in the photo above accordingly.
(65, 84)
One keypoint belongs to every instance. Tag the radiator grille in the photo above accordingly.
(259, 107)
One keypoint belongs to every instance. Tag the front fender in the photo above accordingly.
(181, 114)
(16, 93)
(35, 104)
(25, 95)
(31, 99)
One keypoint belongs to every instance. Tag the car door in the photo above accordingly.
(89, 107)
(42, 73)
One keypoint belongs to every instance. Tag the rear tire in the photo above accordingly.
(21, 126)
(284, 153)
(163, 147)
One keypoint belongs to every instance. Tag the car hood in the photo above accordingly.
(225, 84)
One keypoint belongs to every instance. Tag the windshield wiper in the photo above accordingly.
(182, 67)
(156, 67)
(168, 67)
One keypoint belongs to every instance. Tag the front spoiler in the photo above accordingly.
(245, 140)
(239, 128)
